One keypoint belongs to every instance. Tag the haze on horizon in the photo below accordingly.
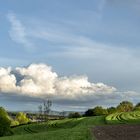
(79, 54)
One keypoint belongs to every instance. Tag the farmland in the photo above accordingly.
(84, 128)
(97, 123)
(123, 117)
(120, 126)
(67, 129)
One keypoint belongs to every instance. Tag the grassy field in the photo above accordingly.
(70, 129)
(67, 129)
(123, 117)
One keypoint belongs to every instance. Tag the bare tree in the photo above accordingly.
(47, 108)
(40, 108)
(63, 114)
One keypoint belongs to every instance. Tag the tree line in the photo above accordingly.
(124, 106)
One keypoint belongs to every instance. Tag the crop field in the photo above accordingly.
(123, 118)
(67, 129)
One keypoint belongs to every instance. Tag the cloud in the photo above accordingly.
(39, 81)
(18, 32)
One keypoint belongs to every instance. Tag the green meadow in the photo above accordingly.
(67, 129)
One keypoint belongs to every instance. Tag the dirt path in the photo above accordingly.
(117, 132)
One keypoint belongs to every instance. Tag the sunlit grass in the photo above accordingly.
(67, 129)
(123, 117)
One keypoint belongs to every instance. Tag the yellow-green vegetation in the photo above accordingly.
(67, 129)
(123, 117)
(14, 123)
(4, 123)
(22, 118)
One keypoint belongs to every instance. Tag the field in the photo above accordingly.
(123, 118)
(81, 128)
(67, 129)
(127, 128)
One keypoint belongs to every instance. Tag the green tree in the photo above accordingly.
(125, 106)
(4, 123)
(89, 112)
(137, 107)
(74, 115)
(111, 110)
(98, 111)
(22, 118)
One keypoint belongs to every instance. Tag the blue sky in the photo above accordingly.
(96, 38)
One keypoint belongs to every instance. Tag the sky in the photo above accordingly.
(79, 54)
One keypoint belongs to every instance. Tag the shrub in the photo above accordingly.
(22, 118)
(14, 123)
(4, 123)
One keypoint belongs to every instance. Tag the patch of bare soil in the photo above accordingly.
(117, 132)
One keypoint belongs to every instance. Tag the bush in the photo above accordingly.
(22, 118)
(4, 123)
(14, 123)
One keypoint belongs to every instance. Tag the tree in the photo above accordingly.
(74, 115)
(137, 107)
(98, 111)
(40, 111)
(47, 104)
(111, 110)
(125, 106)
(45, 109)
(22, 118)
(89, 112)
(4, 123)
(62, 114)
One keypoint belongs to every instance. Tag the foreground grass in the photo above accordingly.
(67, 129)
(123, 118)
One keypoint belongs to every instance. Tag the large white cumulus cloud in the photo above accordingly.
(39, 80)
(7, 80)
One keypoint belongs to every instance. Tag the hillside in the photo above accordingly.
(67, 129)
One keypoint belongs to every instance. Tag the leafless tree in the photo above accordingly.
(47, 108)
(40, 108)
